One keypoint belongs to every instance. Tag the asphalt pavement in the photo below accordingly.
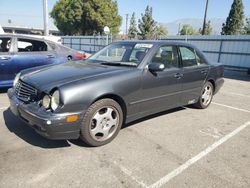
(184, 147)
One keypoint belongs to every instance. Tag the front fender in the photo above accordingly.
(81, 94)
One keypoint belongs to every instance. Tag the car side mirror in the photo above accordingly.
(156, 67)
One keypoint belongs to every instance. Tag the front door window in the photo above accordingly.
(168, 56)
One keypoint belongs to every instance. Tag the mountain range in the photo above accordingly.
(174, 26)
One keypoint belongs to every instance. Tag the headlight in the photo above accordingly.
(16, 79)
(55, 100)
(46, 101)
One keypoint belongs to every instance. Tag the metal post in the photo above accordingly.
(204, 21)
(126, 24)
(107, 43)
(219, 56)
(179, 29)
(45, 17)
(107, 39)
(94, 42)
(186, 37)
(80, 45)
(99, 39)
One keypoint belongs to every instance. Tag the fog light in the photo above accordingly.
(72, 118)
(48, 122)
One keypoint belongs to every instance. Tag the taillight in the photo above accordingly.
(79, 56)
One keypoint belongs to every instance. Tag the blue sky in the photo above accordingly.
(30, 13)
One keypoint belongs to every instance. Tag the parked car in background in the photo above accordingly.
(56, 39)
(1, 30)
(125, 81)
(18, 52)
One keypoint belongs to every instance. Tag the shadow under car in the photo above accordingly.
(23, 131)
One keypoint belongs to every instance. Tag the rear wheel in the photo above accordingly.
(101, 122)
(69, 57)
(206, 96)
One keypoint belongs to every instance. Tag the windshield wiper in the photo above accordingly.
(130, 64)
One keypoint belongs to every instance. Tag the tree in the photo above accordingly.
(86, 17)
(160, 30)
(208, 28)
(235, 20)
(147, 24)
(132, 31)
(188, 30)
(247, 27)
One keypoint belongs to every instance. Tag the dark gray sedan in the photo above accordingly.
(123, 82)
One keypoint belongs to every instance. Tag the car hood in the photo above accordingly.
(48, 77)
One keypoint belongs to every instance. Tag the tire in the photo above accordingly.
(206, 96)
(101, 122)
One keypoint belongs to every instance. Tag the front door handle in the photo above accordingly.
(204, 72)
(4, 58)
(178, 75)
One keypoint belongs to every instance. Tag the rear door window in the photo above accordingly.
(188, 57)
(28, 45)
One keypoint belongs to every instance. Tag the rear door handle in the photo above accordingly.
(50, 56)
(178, 75)
(4, 58)
(204, 72)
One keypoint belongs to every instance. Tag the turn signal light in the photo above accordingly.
(72, 118)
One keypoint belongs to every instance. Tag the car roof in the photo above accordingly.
(26, 36)
(157, 42)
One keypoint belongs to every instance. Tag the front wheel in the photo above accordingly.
(101, 122)
(206, 96)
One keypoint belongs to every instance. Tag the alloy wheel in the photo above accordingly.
(104, 123)
(207, 94)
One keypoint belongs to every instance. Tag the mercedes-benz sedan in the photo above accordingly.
(123, 82)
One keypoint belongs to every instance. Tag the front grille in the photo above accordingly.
(25, 92)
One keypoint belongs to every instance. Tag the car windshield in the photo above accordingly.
(130, 54)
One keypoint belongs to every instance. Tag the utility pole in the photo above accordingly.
(126, 24)
(45, 17)
(205, 17)
(179, 29)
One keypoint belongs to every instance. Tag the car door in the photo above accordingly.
(6, 58)
(161, 90)
(32, 53)
(194, 74)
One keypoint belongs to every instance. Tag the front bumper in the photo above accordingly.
(47, 124)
